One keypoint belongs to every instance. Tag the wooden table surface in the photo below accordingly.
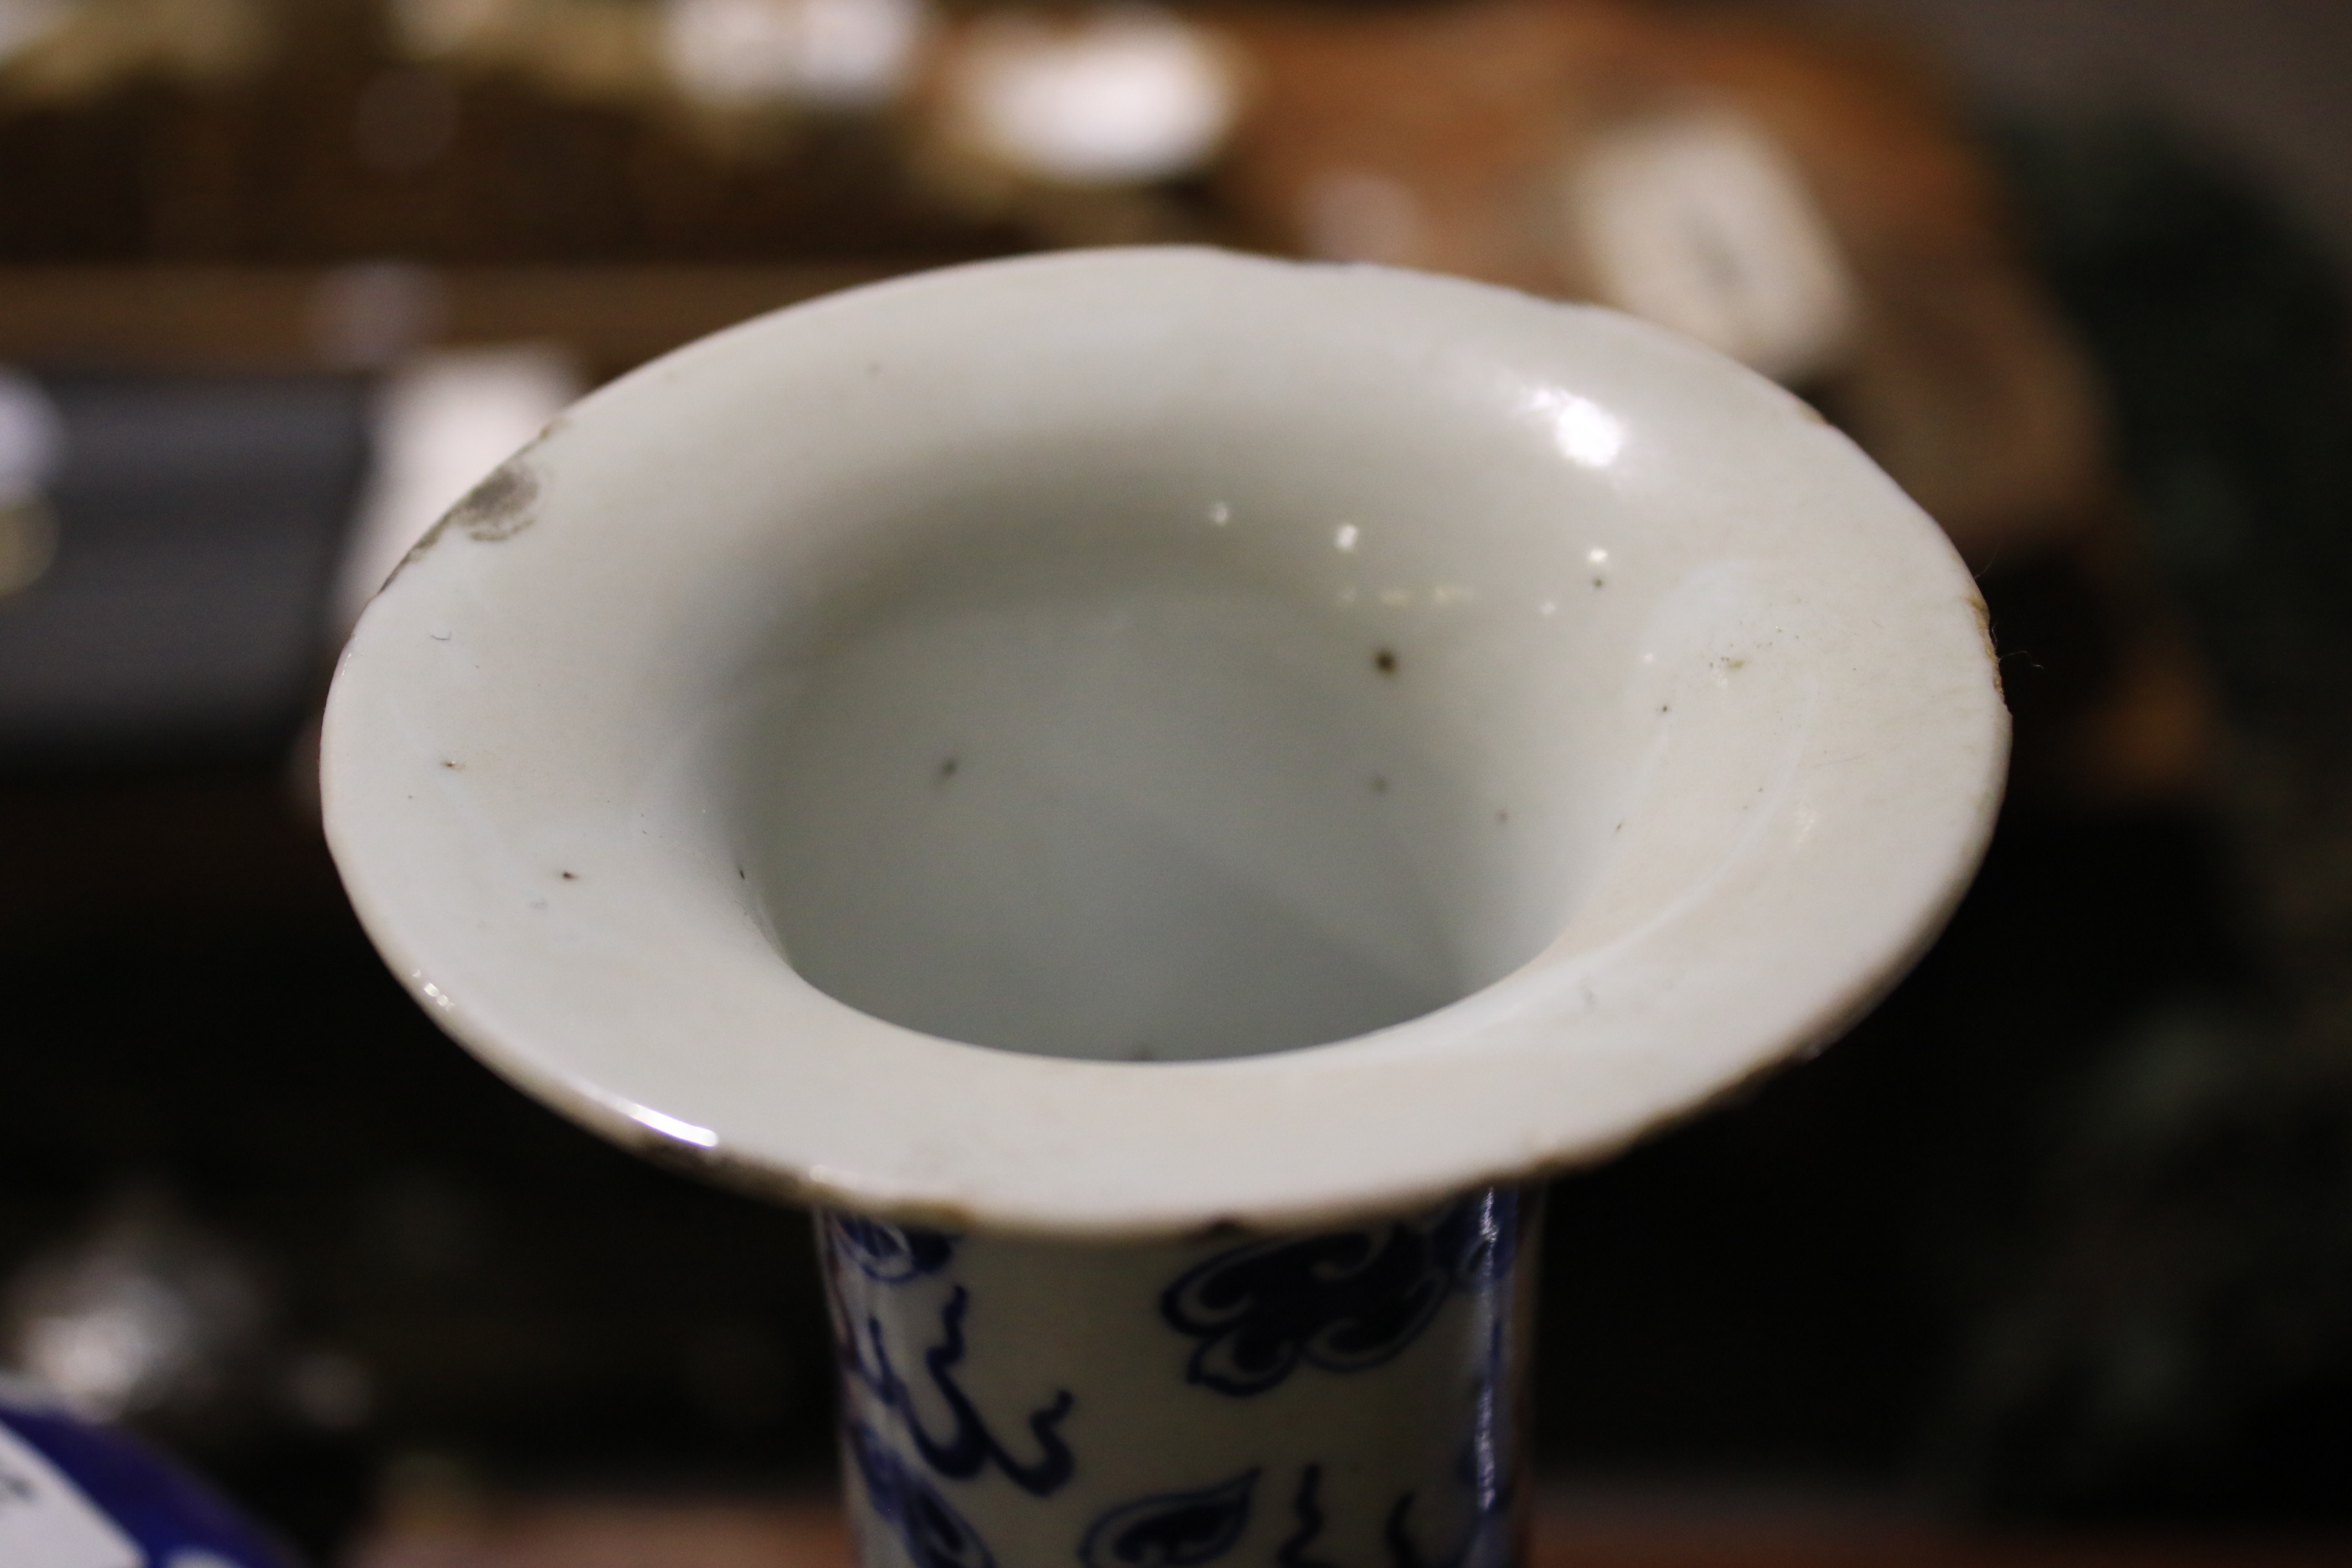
(1657, 1533)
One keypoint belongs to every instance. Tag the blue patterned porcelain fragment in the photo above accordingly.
(75, 1494)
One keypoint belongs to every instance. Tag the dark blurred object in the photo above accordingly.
(2170, 1329)
(168, 538)
(334, 142)
(183, 605)
(450, 1270)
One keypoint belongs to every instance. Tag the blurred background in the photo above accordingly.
(2051, 1260)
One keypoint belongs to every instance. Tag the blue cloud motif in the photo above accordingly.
(1170, 1530)
(1343, 1301)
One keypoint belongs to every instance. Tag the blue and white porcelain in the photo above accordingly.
(1346, 1397)
(1160, 791)
(77, 1494)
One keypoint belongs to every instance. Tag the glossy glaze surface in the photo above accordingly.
(1350, 1395)
(1512, 724)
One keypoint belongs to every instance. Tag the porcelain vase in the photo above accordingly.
(1162, 793)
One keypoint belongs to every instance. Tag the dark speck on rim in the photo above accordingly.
(948, 766)
(499, 507)
(1596, 581)
(447, 763)
(1385, 661)
(571, 876)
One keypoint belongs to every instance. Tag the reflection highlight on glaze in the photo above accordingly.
(1585, 433)
(671, 1127)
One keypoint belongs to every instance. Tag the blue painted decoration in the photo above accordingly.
(167, 1513)
(934, 1534)
(1343, 1301)
(888, 1254)
(864, 1358)
(1171, 1529)
(1307, 1507)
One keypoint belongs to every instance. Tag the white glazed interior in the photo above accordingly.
(1164, 653)
(1163, 740)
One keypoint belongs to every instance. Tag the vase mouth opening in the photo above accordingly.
(1438, 733)
(1194, 742)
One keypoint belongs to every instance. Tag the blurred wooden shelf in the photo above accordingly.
(232, 319)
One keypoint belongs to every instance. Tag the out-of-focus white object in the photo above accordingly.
(1123, 97)
(441, 421)
(148, 1310)
(32, 443)
(23, 23)
(1698, 222)
(832, 54)
(32, 437)
(116, 1345)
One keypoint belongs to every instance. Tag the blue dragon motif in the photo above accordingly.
(934, 1534)
(1343, 1301)
(1396, 1534)
(970, 1448)
(1307, 1506)
(1170, 1530)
